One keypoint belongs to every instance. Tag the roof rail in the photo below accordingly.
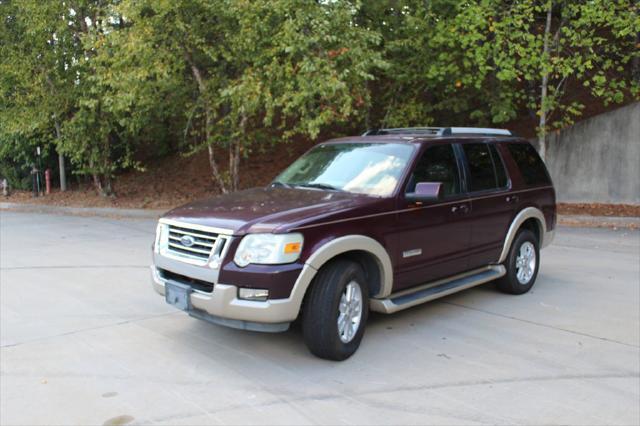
(439, 131)
(475, 131)
(404, 130)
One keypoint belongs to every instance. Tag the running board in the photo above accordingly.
(434, 290)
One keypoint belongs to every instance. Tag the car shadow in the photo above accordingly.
(382, 329)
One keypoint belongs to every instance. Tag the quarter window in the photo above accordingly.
(437, 164)
(531, 167)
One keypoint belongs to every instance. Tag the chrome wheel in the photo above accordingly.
(526, 263)
(349, 312)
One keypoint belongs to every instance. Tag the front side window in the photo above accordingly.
(372, 169)
(437, 164)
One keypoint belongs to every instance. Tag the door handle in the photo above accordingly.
(460, 208)
(512, 198)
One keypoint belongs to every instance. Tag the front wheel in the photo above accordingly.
(522, 264)
(336, 311)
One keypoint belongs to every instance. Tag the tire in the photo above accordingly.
(522, 268)
(322, 311)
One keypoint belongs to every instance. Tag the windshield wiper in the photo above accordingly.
(319, 186)
(282, 184)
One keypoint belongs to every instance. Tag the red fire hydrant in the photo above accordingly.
(47, 181)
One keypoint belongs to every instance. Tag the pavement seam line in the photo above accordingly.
(70, 333)
(17, 268)
(541, 324)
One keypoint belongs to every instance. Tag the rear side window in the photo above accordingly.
(531, 167)
(501, 174)
(485, 167)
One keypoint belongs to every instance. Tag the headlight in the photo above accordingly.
(268, 249)
(161, 237)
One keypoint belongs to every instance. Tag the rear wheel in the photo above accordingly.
(522, 264)
(336, 311)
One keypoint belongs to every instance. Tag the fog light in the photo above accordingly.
(253, 294)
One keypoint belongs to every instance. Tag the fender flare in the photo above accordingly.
(361, 243)
(525, 214)
(334, 248)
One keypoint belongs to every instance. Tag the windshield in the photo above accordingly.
(372, 169)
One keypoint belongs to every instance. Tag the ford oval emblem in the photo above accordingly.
(187, 240)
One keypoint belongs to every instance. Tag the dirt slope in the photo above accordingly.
(172, 181)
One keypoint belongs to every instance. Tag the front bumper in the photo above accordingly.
(223, 307)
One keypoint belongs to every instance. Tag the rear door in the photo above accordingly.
(492, 205)
(433, 239)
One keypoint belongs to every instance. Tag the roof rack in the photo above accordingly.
(439, 131)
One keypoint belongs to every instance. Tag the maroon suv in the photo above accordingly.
(381, 222)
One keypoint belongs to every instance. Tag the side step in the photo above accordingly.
(434, 290)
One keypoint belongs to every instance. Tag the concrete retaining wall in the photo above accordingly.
(598, 159)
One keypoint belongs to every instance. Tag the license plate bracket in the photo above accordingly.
(178, 295)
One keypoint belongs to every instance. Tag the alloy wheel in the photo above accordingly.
(349, 312)
(526, 263)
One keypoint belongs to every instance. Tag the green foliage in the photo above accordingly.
(483, 61)
(253, 72)
(17, 157)
(110, 83)
(32, 83)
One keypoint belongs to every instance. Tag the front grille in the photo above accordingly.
(191, 242)
(195, 284)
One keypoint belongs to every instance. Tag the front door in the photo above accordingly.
(433, 239)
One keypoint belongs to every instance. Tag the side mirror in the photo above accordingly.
(424, 192)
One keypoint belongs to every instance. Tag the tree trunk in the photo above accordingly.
(234, 165)
(635, 64)
(202, 88)
(212, 160)
(542, 127)
(215, 171)
(63, 174)
(108, 187)
(232, 180)
(102, 180)
(97, 183)
(234, 155)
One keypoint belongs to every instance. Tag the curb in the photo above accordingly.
(599, 221)
(83, 211)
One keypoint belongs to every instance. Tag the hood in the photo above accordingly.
(268, 209)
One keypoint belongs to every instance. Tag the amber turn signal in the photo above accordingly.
(291, 248)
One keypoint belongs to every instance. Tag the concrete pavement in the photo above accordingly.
(85, 340)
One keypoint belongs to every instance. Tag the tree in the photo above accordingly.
(125, 101)
(108, 83)
(440, 69)
(38, 48)
(588, 43)
(489, 61)
(260, 71)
